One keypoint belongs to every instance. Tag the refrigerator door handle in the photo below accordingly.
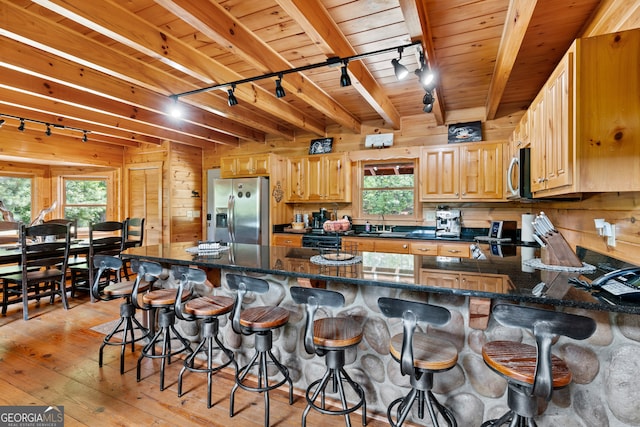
(230, 212)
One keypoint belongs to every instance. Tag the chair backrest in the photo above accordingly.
(243, 284)
(106, 238)
(412, 312)
(134, 232)
(9, 232)
(148, 271)
(313, 298)
(39, 250)
(546, 325)
(103, 264)
(188, 277)
(73, 227)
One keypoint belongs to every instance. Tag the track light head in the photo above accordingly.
(231, 97)
(1, 122)
(280, 93)
(48, 131)
(345, 80)
(400, 70)
(84, 136)
(428, 101)
(175, 109)
(21, 127)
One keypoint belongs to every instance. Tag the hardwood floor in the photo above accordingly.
(52, 359)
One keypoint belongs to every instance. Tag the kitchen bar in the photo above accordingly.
(472, 392)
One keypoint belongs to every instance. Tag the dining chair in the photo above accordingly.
(133, 237)
(9, 236)
(105, 238)
(44, 263)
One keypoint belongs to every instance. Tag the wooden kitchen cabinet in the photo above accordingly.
(291, 240)
(463, 280)
(245, 166)
(584, 122)
(319, 178)
(462, 172)
(372, 244)
(437, 278)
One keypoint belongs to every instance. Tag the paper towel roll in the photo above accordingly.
(525, 254)
(526, 234)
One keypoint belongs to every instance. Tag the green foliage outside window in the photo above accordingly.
(15, 193)
(388, 189)
(86, 201)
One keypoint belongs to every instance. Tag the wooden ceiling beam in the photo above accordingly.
(136, 33)
(420, 29)
(233, 36)
(318, 24)
(53, 106)
(159, 125)
(38, 32)
(518, 18)
(41, 63)
(115, 136)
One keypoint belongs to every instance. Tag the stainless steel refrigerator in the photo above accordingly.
(241, 210)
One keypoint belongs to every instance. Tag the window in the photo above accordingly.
(16, 196)
(388, 189)
(85, 200)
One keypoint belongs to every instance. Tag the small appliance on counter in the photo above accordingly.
(500, 231)
(448, 222)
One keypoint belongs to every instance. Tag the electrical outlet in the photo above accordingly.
(611, 239)
(431, 216)
(196, 214)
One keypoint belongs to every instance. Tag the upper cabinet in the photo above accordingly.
(462, 172)
(584, 123)
(245, 165)
(319, 178)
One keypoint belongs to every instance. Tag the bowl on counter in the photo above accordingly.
(297, 225)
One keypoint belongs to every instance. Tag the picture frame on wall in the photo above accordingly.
(321, 146)
(465, 132)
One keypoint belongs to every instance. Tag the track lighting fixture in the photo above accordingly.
(345, 80)
(428, 101)
(280, 93)
(175, 109)
(49, 126)
(424, 74)
(330, 62)
(400, 70)
(231, 98)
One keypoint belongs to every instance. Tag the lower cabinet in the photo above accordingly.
(372, 244)
(291, 240)
(448, 249)
(464, 280)
(406, 246)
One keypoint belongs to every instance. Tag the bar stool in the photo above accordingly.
(420, 357)
(532, 372)
(160, 300)
(259, 321)
(329, 337)
(207, 309)
(128, 326)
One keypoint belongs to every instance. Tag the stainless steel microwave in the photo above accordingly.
(519, 175)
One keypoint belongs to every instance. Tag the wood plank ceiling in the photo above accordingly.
(110, 66)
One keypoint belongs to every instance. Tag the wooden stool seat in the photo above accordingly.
(122, 289)
(208, 306)
(429, 353)
(163, 297)
(264, 318)
(336, 332)
(518, 362)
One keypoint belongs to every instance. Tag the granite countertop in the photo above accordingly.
(498, 275)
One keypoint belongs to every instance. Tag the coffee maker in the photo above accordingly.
(448, 222)
(318, 219)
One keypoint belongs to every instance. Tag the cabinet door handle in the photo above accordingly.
(424, 249)
(405, 246)
(453, 251)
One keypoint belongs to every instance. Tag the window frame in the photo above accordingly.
(33, 178)
(395, 219)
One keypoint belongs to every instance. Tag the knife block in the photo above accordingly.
(558, 251)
